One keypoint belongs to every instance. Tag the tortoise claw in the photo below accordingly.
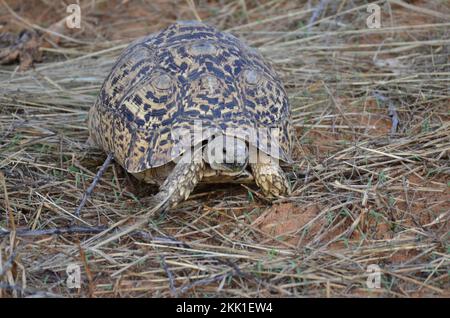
(271, 179)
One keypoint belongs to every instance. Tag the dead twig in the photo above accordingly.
(97, 178)
(55, 231)
(392, 112)
(172, 287)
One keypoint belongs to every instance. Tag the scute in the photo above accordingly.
(162, 82)
(203, 48)
(165, 86)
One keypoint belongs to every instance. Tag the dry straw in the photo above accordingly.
(371, 177)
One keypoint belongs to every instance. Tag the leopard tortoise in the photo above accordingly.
(193, 104)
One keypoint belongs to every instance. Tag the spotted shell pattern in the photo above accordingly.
(188, 73)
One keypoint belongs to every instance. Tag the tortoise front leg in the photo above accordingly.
(181, 181)
(269, 176)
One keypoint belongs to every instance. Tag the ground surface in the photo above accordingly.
(371, 173)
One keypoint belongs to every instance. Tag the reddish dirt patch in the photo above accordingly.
(403, 256)
(426, 207)
(283, 221)
(320, 142)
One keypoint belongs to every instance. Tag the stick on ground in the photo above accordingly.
(94, 183)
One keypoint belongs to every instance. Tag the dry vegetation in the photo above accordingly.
(371, 176)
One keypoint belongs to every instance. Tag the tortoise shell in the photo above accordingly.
(188, 80)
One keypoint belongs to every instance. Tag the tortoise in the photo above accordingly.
(193, 104)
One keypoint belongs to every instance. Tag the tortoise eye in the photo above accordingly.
(162, 82)
(252, 77)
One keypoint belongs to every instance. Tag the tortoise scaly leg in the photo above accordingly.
(180, 183)
(270, 177)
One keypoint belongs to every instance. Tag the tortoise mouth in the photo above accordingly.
(212, 176)
(235, 166)
(229, 169)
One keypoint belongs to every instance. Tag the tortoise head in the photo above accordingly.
(227, 154)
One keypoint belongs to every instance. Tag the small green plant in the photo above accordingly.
(345, 212)
(250, 196)
(73, 169)
(376, 215)
(272, 253)
(382, 177)
(330, 217)
(425, 125)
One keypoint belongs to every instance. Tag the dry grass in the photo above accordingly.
(366, 191)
